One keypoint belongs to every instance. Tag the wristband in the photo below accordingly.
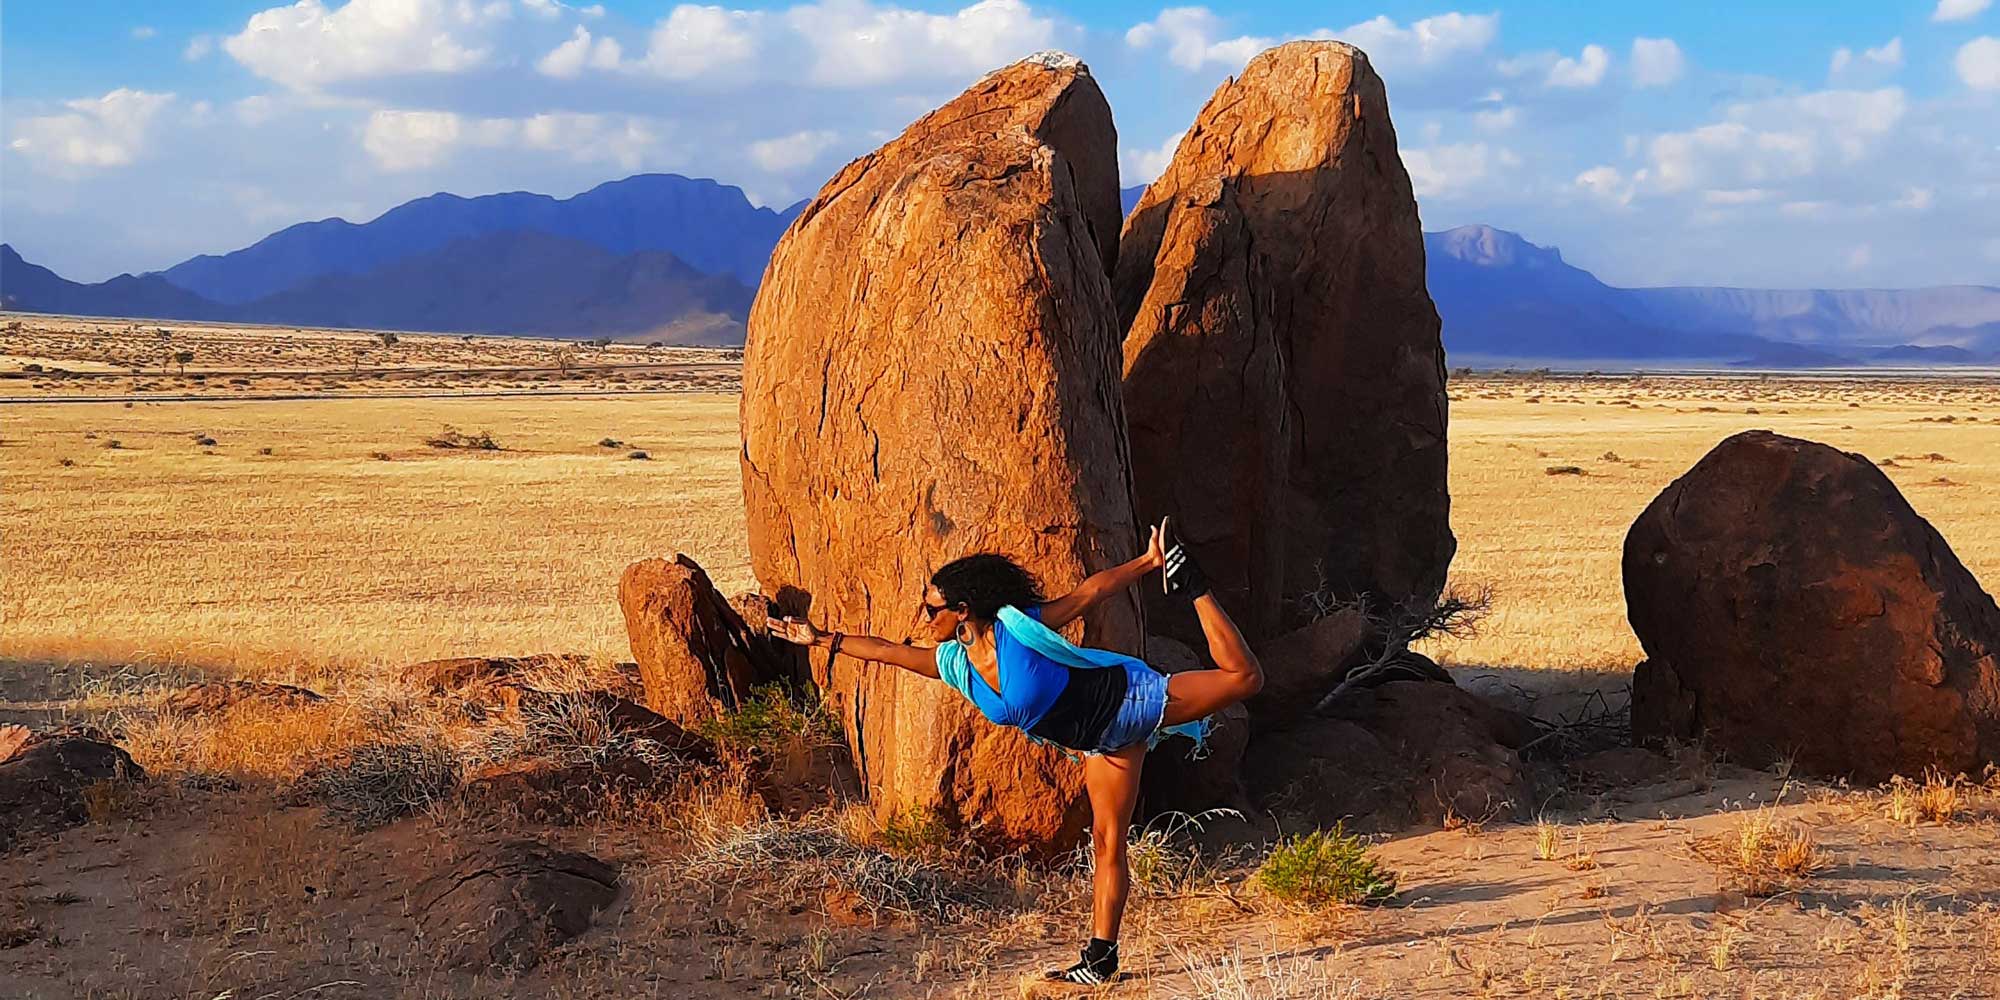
(834, 650)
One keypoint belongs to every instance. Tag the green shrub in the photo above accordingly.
(771, 719)
(1324, 867)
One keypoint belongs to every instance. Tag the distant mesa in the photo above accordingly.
(666, 257)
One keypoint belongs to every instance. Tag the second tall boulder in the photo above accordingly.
(1284, 377)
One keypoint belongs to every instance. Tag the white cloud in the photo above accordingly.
(1425, 43)
(401, 140)
(858, 44)
(1916, 199)
(198, 48)
(1497, 119)
(409, 140)
(790, 152)
(307, 46)
(1656, 62)
(1736, 196)
(1978, 63)
(1773, 140)
(1959, 10)
(1869, 65)
(144, 32)
(1143, 165)
(569, 59)
(1605, 183)
(108, 131)
(1858, 257)
(1450, 170)
(1189, 34)
(1587, 70)
(693, 41)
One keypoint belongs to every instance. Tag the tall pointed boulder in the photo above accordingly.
(933, 370)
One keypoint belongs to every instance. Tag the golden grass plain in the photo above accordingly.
(322, 535)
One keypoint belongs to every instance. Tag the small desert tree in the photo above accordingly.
(388, 339)
(1457, 612)
(563, 357)
(182, 358)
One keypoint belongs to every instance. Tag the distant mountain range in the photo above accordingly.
(666, 257)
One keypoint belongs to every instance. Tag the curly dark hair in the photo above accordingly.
(985, 582)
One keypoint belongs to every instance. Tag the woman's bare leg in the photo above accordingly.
(1112, 783)
(1197, 693)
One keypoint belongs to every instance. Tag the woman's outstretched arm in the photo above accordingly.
(916, 659)
(1103, 584)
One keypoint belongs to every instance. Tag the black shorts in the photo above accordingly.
(1084, 709)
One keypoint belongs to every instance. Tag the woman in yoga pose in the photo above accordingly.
(996, 645)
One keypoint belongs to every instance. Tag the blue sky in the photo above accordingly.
(1758, 144)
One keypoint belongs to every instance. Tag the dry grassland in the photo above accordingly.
(324, 541)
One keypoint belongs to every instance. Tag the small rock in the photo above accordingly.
(506, 905)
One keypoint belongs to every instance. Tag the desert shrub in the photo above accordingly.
(204, 440)
(774, 717)
(1325, 867)
(913, 833)
(378, 783)
(68, 463)
(379, 456)
(263, 451)
(452, 437)
(610, 443)
(1563, 470)
(638, 456)
(114, 444)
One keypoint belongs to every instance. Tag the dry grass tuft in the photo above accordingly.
(1936, 800)
(801, 860)
(379, 783)
(1763, 856)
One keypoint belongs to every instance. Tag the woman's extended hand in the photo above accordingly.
(796, 631)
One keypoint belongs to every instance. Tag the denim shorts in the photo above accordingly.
(1140, 714)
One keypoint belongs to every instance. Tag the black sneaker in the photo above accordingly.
(1179, 576)
(1090, 969)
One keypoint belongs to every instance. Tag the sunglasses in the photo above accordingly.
(931, 611)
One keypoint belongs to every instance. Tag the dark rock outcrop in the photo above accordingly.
(44, 779)
(1793, 605)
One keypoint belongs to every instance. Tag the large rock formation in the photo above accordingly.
(932, 370)
(1792, 604)
(1283, 374)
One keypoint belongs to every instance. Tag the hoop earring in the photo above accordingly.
(958, 633)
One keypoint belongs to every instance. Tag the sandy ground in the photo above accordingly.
(318, 538)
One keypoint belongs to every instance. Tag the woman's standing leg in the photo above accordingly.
(1112, 783)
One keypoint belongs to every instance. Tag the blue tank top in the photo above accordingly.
(1029, 682)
